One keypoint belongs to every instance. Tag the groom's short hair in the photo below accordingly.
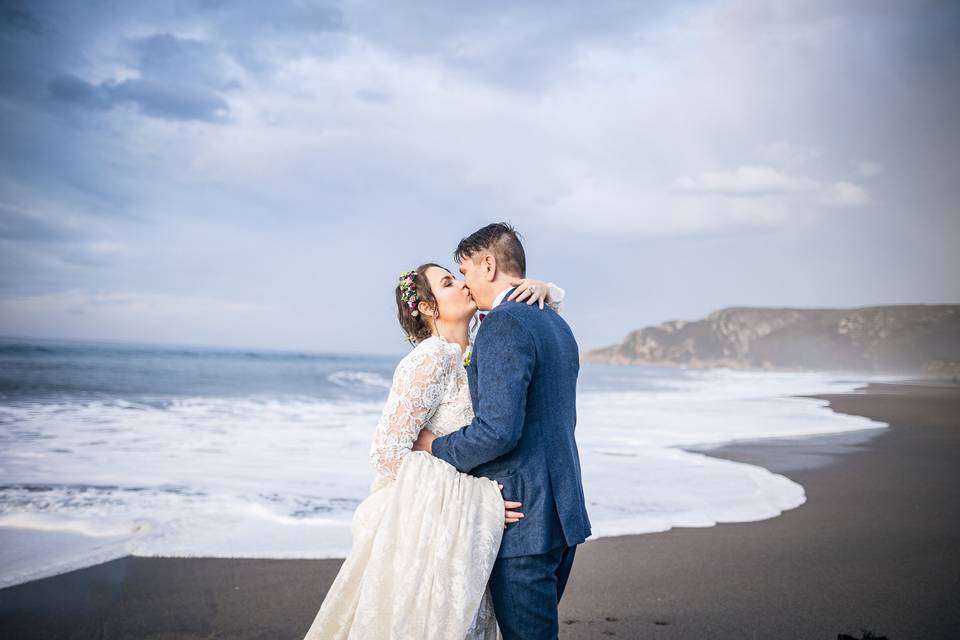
(500, 239)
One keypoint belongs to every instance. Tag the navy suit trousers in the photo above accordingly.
(526, 591)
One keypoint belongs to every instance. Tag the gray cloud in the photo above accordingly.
(166, 101)
(159, 99)
(166, 58)
(19, 225)
(177, 79)
(16, 18)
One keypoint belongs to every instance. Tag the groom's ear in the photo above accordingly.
(489, 266)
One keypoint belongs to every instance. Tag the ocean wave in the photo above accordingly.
(280, 475)
(348, 378)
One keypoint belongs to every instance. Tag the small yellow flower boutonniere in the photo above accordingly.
(466, 358)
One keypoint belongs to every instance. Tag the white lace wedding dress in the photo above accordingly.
(426, 538)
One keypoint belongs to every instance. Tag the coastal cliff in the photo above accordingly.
(909, 338)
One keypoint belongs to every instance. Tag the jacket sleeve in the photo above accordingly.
(505, 354)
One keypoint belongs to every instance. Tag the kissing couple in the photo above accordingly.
(467, 437)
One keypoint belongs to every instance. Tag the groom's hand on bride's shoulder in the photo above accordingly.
(424, 441)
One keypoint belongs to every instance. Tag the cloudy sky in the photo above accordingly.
(257, 174)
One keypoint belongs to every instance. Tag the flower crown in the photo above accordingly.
(408, 291)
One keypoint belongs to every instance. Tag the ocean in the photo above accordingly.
(108, 450)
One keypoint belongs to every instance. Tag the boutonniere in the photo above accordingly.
(466, 358)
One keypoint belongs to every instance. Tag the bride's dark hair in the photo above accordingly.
(416, 326)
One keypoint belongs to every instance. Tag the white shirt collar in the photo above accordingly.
(500, 297)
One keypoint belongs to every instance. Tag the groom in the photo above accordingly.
(523, 381)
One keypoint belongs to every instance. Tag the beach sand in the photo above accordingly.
(876, 546)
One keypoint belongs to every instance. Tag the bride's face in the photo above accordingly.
(453, 298)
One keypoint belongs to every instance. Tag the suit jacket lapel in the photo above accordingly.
(472, 381)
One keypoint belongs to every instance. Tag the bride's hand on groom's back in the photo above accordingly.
(509, 516)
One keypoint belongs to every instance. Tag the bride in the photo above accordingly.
(426, 538)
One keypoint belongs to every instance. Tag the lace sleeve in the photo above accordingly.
(555, 296)
(418, 387)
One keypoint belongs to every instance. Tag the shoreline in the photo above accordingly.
(875, 546)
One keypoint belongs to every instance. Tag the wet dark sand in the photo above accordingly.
(876, 546)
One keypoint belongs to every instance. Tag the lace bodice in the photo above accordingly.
(429, 390)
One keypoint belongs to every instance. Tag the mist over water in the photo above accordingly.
(109, 449)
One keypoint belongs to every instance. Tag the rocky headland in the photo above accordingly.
(903, 339)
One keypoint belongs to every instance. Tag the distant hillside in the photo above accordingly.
(913, 339)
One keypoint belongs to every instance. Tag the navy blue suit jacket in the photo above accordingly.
(523, 384)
